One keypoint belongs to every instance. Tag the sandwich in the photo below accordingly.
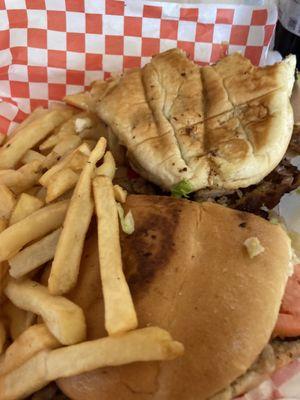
(215, 279)
(224, 126)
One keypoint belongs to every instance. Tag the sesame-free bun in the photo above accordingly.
(190, 273)
(221, 126)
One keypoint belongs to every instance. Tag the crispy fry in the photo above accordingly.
(30, 228)
(60, 183)
(108, 168)
(120, 194)
(64, 319)
(148, 344)
(25, 206)
(19, 320)
(33, 340)
(120, 315)
(3, 224)
(32, 155)
(65, 266)
(7, 201)
(41, 194)
(23, 178)
(10, 177)
(36, 114)
(30, 174)
(2, 336)
(34, 256)
(4, 277)
(64, 147)
(72, 127)
(27, 137)
(76, 160)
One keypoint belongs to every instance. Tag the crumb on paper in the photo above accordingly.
(253, 246)
(81, 124)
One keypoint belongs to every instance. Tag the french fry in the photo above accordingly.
(120, 315)
(148, 344)
(7, 201)
(65, 266)
(10, 177)
(27, 137)
(2, 336)
(65, 129)
(19, 320)
(108, 168)
(33, 340)
(120, 194)
(41, 194)
(36, 114)
(34, 256)
(30, 174)
(64, 319)
(25, 206)
(65, 146)
(60, 183)
(33, 227)
(75, 160)
(3, 224)
(70, 127)
(4, 277)
(32, 155)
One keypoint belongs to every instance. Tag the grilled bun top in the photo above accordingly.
(222, 126)
(190, 273)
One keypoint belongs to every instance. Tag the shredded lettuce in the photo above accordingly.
(182, 189)
(126, 221)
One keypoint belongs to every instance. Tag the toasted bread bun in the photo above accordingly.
(190, 273)
(163, 115)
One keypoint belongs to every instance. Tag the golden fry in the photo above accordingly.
(7, 201)
(108, 168)
(31, 228)
(25, 206)
(75, 160)
(65, 266)
(34, 255)
(32, 155)
(64, 319)
(148, 344)
(27, 137)
(33, 340)
(120, 315)
(60, 183)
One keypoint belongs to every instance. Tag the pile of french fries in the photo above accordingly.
(56, 172)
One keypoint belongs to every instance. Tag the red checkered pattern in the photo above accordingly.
(49, 48)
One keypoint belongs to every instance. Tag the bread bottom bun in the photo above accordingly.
(190, 273)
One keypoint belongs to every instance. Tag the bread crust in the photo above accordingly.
(222, 126)
(189, 272)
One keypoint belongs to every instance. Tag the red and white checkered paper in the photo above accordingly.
(50, 48)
